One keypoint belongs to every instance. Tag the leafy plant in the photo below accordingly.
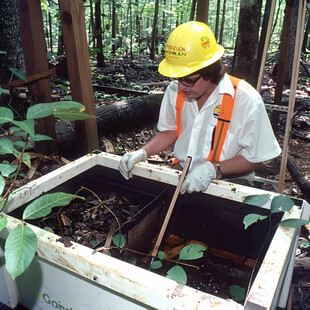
(21, 243)
(237, 292)
(280, 203)
(177, 273)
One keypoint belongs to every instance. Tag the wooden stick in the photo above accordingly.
(173, 201)
(291, 105)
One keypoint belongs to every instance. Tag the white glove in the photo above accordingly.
(128, 161)
(199, 178)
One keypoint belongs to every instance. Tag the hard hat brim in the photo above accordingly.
(175, 71)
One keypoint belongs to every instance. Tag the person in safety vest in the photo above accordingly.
(218, 120)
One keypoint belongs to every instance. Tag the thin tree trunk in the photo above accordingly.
(193, 9)
(217, 20)
(222, 23)
(154, 30)
(202, 11)
(98, 34)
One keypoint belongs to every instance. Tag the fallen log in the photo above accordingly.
(118, 117)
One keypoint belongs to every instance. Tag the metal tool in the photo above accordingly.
(169, 212)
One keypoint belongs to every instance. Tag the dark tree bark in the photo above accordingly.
(222, 23)
(306, 35)
(98, 34)
(217, 20)
(10, 41)
(193, 9)
(113, 35)
(202, 11)
(154, 30)
(247, 40)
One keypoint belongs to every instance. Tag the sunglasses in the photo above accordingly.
(188, 82)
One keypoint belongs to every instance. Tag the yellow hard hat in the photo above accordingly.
(190, 47)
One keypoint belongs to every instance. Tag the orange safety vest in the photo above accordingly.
(223, 121)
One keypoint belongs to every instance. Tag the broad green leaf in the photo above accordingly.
(72, 115)
(119, 240)
(20, 248)
(293, 223)
(6, 170)
(161, 255)
(6, 146)
(6, 115)
(237, 292)
(3, 222)
(156, 264)
(281, 203)
(46, 109)
(178, 274)
(25, 158)
(39, 137)
(257, 200)
(19, 74)
(2, 184)
(252, 218)
(21, 145)
(26, 125)
(192, 251)
(43, 205)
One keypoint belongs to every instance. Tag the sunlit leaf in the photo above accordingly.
(6, 146)
(19, 74)
(161, 255)
(119, 240)
(257, 200)
(44, 204)
(252, 218)
(20, 248)
(26, 125)
(2, 184)
(72, 115)
(281, 203)
(46, 109)
(192, 251)
(178, 274)
(3, 222)
(6, 115)
(6, 170)
(293, 223)
(156, 264)
(237, 292)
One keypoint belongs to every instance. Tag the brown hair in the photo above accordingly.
(214, 72)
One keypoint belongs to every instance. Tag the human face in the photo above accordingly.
(199, 88)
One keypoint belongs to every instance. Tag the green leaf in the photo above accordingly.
(281, 203)
(21, 145)
(161, 255)
(192, 251)
(20, 248)
(304, 244)
(39, 137)
(6, 170)
(293, 223)
(6, 146)
(2, 184)
(6, 115)
(46, 109)
(48, 229)
(19, 74)
(257, 200)
(178, 274)
(156, 264)
(119, 240)
(237, 292)
(25, 158)
(252, 218)
(3, 222)
(44, 204)
(26, 125)
(72, 115)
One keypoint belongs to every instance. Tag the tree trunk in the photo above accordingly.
(98, 34)
(10, 41)
(247, 40)
(222, 23)
(217, 20)
(118, 117)
(306, 35)
(154, 30)
(193, 9)
(202, 11)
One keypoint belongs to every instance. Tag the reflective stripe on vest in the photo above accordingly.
(223, 121)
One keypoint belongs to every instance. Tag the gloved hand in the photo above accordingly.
(199, 178)
(128, 161)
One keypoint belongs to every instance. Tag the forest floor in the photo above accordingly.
(142, 75)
